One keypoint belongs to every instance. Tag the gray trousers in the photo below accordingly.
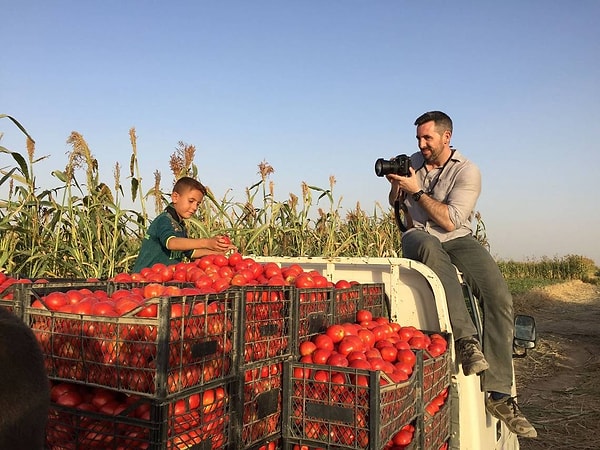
(481, 272)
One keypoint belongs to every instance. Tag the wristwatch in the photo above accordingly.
(417, 195)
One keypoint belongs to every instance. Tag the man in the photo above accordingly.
(440, 195)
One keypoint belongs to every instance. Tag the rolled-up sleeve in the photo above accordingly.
(463, 197)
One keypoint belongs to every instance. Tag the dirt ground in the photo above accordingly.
(558, 383)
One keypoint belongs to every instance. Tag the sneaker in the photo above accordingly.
(507, 410)
(471, 356)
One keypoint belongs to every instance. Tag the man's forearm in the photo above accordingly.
(437, 211)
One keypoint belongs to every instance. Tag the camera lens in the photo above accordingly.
(380, 167)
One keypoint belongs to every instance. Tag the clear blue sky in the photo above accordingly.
(320, 88)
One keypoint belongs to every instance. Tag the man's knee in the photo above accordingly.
(420, 245)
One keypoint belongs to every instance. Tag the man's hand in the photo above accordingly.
(410, 184)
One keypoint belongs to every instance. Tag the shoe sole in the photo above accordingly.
(476, 368)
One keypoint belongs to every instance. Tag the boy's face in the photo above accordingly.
(186, 203)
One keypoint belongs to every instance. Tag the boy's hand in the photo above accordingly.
(221, 244)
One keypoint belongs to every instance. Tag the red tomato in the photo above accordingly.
(55, 300)
(220, 260)
(402, 438)
(389, 353)
(363, 315)
(84, 306)
(307, 348)
(148, 311)
(323, 341)
(335, 359)
(239, 280)
(271, 269)
(304, 281)
(376, 363)
(362, 364)
(320, 281)
(417, 342)
(220, 284)
(122, 278)
(234, 259)
(406, 332)
(74, 296)
(321, 355)
(342, 284)
(70, 398)
(125, 304)
(366, 336)
(104, 308)
(153, 290)
(336, 332)
(407, 356)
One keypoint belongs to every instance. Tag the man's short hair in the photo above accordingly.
(442, 121)
(185, 184)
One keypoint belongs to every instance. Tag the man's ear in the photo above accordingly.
(174, 197)
(447, 136)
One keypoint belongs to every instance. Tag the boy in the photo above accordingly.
(166, 240)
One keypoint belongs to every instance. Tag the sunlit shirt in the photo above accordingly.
(457, 184)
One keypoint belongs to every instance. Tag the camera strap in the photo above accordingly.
(397, 208)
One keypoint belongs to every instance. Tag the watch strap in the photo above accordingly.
(417, 195)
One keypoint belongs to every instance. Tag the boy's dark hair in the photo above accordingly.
(185, 184)
(24, 386)
(443, 122)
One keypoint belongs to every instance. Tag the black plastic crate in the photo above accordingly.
(345, 303)
(8, 299)
(437, 373)
(265, 322)
(313, 312)
(373, 298)
(109, 420)
(340, 407)
(436, 428)
(272, 443)
(260, 403)
(179, 343)
(28, 293)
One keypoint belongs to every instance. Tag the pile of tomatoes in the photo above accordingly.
(91, 345)
(215, 273)
(368, 344)
(109, 419)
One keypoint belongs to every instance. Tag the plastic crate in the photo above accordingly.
(190, 341)
(265, 321)
(313, 312)
(272, 443)
(436, 429)
(8, 299)
(373, 298)
(437, 373)
(345, 304)
(260, 403)
(198, 420)
(340, 407)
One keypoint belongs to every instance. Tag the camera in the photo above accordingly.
(399, 166)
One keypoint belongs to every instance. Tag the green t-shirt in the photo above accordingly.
(154, 246)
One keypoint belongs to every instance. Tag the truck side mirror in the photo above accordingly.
(524, 336)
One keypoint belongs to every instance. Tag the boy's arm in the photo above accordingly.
(201, 246)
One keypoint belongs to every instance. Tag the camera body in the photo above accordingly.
(399, 166)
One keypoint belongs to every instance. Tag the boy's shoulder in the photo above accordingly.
(166, 220)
